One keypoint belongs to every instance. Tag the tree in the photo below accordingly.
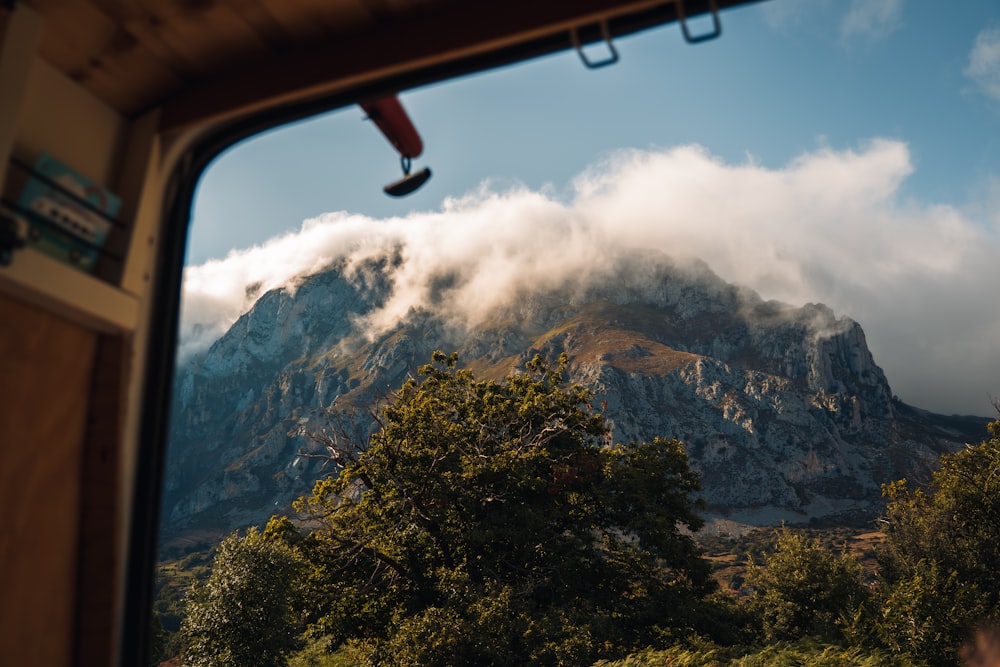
(939, 561)
(156, 652)
(245, 613)
(490, 523)
(928, 613)
(802, 589)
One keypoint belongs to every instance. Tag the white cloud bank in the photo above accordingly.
(830, 226)
(984, 62)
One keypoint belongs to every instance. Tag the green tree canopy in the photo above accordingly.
(245, 614)
(490, 523)
(802, 589)
(939, 563)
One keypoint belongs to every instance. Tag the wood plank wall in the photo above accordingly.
(46, 380)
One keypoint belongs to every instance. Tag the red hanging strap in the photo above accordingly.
(391, 119)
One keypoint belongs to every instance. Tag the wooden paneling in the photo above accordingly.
(98, 560)
(386, 48)
(46, 368)
(134, 55)
(137, 56)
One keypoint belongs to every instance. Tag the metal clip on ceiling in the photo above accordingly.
(612, 58)
(697, 39)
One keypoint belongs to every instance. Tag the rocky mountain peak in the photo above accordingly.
(784, 411)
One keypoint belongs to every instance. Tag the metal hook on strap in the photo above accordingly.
(612, 58)
(697, 39)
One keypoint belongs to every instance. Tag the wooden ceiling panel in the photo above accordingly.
(298, 19)
(209, 37)
(203, 59)
(391, 48)
(150, 30)
(404, 7)
(129, 81)
(342, 16)
(259, 17)
(134, 54)
(75, 34)
(100, 51)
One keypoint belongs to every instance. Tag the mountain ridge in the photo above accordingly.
(784, 411)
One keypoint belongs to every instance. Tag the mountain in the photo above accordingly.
(783, 410)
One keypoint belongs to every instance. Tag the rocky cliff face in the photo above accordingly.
(784, 411)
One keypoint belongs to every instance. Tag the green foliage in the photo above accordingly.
(799, 653)
(158, 638)
(953, 523)
(929, 613)
(490, 523)
(244, 614)
(725, 619)
(173, 579)
(802, 589)
(939, 563)
(318, 653)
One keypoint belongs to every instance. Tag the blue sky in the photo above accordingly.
(786, 77)
(842, 151)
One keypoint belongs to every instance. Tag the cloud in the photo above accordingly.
(984, 62)
(829, 226)
(871, 19)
